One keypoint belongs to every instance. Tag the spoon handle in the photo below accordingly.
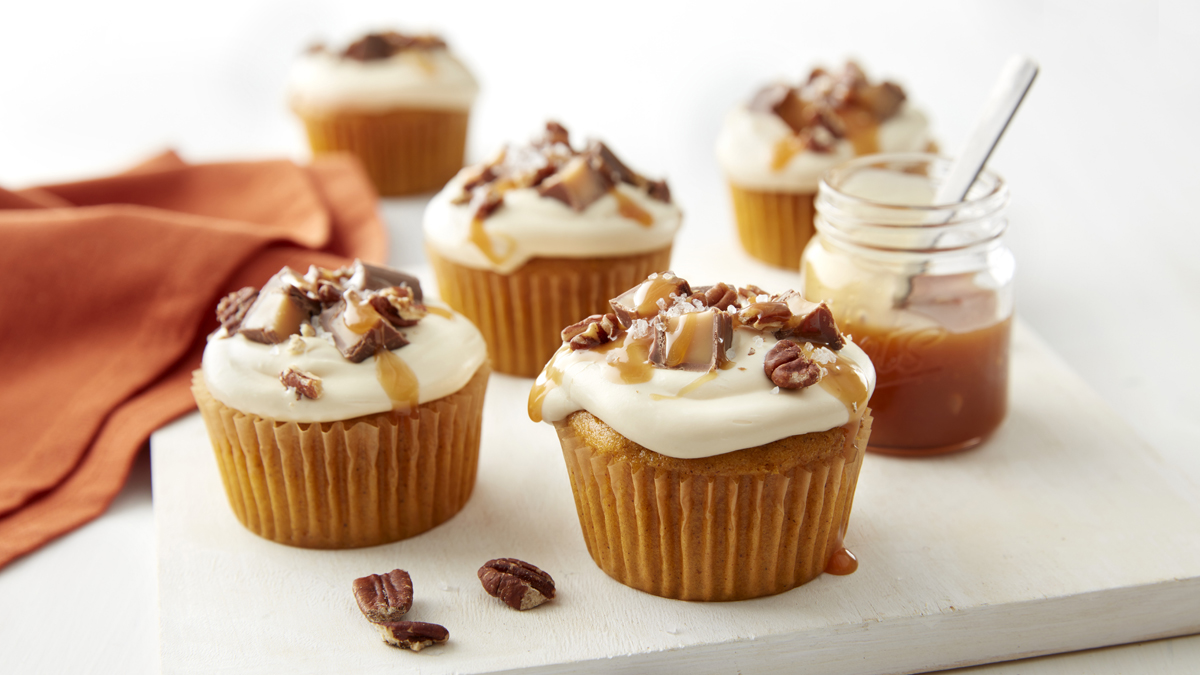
(1001, 105)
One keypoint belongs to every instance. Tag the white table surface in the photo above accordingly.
(1098, 160)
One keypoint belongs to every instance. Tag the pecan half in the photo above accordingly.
(384, 598)
(593, 331)
(720, 296)
(788, 367)
(414, 635)
(306, 384)
(232, 308)
(519, 584)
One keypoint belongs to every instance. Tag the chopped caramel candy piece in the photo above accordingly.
(376, 46)
(232, 308)
(692, 341)
(279, 310)
(749, 294)
(647, 298)
(768, 316)
(520, 585)
(375, 278)
(788, 368)
(882, 100)
(810, 321)
(414, 635)
(304, 383)
(720, 296)
(784, 102)
(555, 134)
(615, 167)
(657, 189)
(578, 184)
(384, 598)
(359, 330)
(399, 306)
(593, 331)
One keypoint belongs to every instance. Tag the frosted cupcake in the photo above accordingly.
(774, 150)
(344, 411)
(713, 437)
(541, 236)
(399, 102)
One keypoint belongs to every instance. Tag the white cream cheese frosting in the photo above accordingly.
(739, 408)
(748, 141)
(414, 78)
(530, 225)
(443, 353)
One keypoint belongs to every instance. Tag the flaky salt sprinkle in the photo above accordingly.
(639, 329)
(295, 345)
(775, 390)
(823, 355)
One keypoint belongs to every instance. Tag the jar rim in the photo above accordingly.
(999, 187)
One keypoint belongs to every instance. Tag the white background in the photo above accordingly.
(1100, 161)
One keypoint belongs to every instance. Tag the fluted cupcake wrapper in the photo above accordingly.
(711, 538)
(774, 226)
(522, 314)
(405, 151)
(361, 482)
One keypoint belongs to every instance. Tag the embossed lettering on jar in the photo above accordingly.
(926, 291)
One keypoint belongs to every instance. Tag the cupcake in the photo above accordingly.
(399, 102)
(713, 437)
(775, 149)
(541, 236)
(344, 411)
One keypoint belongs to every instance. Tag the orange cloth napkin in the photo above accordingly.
(111, 287)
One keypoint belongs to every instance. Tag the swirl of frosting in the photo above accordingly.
(549, 200)
(422, 74)
(680, 408)
(363, 360)
(786, 138)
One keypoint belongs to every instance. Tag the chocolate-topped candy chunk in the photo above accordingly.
(692, 340)
(358, 329)
(232, 308)
(279, 309)
(810, 321)
(375, 278)
(615, 167)
(578, 184)
(784, 102)
(378, 46)
(644, 301)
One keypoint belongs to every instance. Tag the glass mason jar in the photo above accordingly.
(925, 290)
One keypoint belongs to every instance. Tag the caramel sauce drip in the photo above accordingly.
(422, 60)
(630, 358)
(360, 317)
(629, 209)
(937, 390)
(845, 383)
(649, 293)
(444, 313)
(539, 391)
(689, 387)
(483, 242)
(842, 562)
(397, 380)
(785, 149)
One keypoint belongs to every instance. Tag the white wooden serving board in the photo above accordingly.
(1063, 532)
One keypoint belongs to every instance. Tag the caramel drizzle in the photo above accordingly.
(484, 243)
(785, 149)
(631, 359)
(539, 391)
(629, 209)
(397, 379)
(862, 130)
(360, 317)
(444, 313)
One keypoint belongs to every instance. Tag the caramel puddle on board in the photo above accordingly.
(397, 380)
(842, 562)
(629, 209)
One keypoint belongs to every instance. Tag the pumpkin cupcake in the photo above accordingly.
(343, 409)
(399, 102)
(541, 236)
(713, 437)
(774, 150)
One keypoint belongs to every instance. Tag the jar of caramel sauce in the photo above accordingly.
(925, 289)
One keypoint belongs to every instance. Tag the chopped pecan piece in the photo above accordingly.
(519, 584)
(788, 367)
(720, 296)
(414, 635)
(232, 308)
(399, 306)
(306, 384)
(384, 598)
(692, 341)
(593, 331)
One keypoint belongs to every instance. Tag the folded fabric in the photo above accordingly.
(111, 289)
